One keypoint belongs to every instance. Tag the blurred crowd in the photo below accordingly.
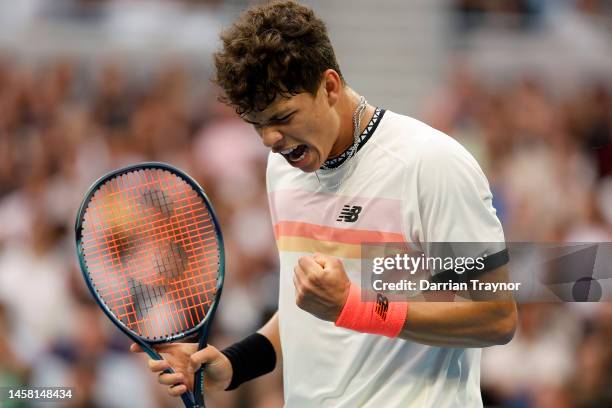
(522, 14)
(548, 158)
(63, 123)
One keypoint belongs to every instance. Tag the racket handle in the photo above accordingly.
(198, 378)
(198, 388)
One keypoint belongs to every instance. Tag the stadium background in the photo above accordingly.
(90, 85)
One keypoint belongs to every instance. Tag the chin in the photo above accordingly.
(311, 168)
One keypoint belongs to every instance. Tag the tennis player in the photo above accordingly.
(342, 172)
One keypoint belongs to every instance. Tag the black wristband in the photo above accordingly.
(251, 357)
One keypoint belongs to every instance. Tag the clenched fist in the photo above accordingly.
(321, 286)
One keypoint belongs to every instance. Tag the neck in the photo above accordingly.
(346, 109)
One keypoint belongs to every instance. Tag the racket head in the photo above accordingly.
(166, 251)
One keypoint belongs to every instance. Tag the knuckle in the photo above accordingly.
(315, 279)
(303, 261)
(306, 287)
(171, 379)
(200, 357)
(299, 298)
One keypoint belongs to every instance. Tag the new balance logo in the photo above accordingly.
(382, 306)
(349, 213)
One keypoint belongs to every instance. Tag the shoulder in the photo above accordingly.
(416, 144)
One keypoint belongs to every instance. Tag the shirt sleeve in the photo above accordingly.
(455, 203)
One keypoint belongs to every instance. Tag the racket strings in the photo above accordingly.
(152, 253)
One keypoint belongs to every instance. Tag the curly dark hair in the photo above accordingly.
(280, 48)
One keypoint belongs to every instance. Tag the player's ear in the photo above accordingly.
(332, 86)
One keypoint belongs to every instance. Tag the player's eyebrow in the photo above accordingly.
(274, 118)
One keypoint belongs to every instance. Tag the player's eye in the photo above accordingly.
(285, 119)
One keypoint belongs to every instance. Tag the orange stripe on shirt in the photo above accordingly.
(332, 234)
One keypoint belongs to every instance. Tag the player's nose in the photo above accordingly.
(270, 136)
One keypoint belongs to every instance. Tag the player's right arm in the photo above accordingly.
(220, 371)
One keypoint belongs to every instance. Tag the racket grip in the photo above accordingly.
(198, 378)
(198, 388)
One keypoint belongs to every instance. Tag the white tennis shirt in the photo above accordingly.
(407, 183)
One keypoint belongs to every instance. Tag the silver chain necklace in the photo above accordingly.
(350, 152)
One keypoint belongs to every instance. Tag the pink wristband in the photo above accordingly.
(380, 317)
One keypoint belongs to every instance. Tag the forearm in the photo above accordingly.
(460, 324)
(255, 355)
(323, 289)
(481, 321)
(271, 331)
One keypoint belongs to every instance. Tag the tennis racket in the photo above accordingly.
(151, 252)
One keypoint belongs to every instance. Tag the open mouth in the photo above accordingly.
(295, 154)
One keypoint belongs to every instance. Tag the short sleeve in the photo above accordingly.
(456, 204)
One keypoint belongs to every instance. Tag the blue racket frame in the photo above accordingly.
(193, 399)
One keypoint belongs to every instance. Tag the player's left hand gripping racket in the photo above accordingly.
(151, 252)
